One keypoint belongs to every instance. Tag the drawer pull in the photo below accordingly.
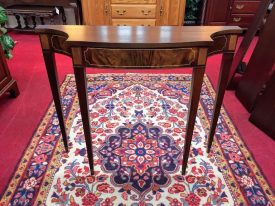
(237, 19)
(146, 12)
(161, 11)
(239, 6)
(121, 12)
(106, 9)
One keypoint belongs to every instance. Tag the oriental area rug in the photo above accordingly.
(138, 126)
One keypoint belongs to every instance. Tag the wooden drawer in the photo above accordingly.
(141, 58)
(133, 22)
(245, 7)
(133, 11)
(134, 1)
(243, 20)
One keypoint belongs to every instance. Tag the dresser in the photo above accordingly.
(230, 12)
(133, 12)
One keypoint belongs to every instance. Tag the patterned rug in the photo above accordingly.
(138, 129)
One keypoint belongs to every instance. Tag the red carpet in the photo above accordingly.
(19, 117)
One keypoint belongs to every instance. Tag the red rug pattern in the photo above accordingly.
(47, 175)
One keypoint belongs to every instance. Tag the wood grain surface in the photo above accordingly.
(138, 36)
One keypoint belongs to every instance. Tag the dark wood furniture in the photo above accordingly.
(263, 114)
(41, 9)
(259, 67)
(156, 47)
(34, 12)
(231, 12)
(7, 83)
(248, 37)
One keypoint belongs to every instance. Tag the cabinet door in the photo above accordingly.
(171, 12)
(217, 12)
(96, 12)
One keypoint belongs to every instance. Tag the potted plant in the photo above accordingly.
(5, 40)
(193, 8)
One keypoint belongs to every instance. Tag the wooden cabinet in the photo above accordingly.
(133, 12)
(217, 12)
(231, 12)
(7, 83)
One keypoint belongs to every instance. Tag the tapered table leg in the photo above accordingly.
(19, 25)
(49, 59)
(34, 21)
(197, 80)
(42, 20)
(81, 84)
(222, 84)
(26, 22)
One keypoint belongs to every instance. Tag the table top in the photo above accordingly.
(138, 36)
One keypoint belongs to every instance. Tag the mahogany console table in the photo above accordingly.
(138, 48)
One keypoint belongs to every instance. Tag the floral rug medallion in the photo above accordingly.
(141, 157)
(138, 126)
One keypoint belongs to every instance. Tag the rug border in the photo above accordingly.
(261, 179)
(59, 148)
(202, 114)
(245, 144)
(49, 107)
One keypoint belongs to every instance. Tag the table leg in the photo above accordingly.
(53, 79)
(42, 20)
(26, 22)
(33, 22)
(14, 91)
(222, 84)
(63, 15)
(79, 17)
(81, 84)
(19, 25)
(197, 80)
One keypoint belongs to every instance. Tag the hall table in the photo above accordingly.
(138, 48)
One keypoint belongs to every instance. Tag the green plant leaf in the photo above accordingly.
(6, 41)
(7, 44)
(3, 16)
